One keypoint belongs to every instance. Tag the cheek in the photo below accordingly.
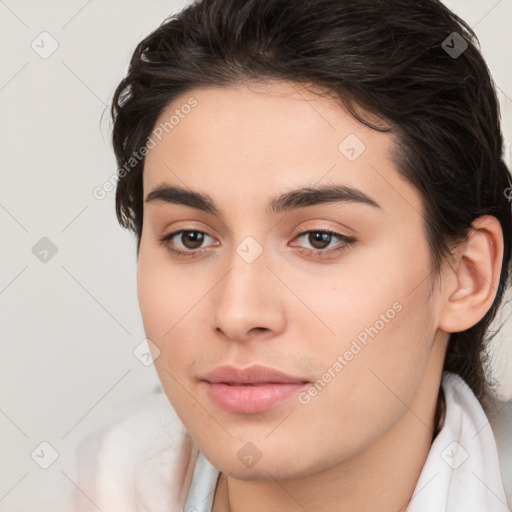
(166, 298)
(367, 288)
(369, 379)
(381, 332)
(167, 302)
(167, 292)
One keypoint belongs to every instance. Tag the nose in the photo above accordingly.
(248, 301)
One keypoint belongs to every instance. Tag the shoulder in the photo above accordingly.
(499, 414)
(143, 458)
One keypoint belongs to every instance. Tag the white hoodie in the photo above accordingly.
(147, 462)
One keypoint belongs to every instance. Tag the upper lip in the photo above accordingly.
(255, 374)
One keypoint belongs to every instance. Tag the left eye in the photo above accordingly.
(320, 240)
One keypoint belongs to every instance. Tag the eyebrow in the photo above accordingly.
(293, 200)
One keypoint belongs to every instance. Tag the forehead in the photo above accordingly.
(261, 138)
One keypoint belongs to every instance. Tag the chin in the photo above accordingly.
(274, 465)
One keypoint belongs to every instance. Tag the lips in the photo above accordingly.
(253, 375)
(250, 390)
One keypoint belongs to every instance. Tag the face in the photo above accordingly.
(329, 287)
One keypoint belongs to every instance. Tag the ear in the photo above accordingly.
(471, 284)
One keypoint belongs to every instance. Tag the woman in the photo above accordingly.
(323, 238)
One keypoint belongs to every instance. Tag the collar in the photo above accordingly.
(462, 470)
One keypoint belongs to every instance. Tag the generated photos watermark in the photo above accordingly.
(356, 346)
(100, 192)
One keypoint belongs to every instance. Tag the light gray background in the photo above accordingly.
(69, 326)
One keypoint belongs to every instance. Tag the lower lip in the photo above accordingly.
(251, 399)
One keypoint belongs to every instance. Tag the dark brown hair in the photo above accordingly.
(403, 61)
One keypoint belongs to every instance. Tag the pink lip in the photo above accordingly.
(250, 390)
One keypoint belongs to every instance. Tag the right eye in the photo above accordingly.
(190, 240)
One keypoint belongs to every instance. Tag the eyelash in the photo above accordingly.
(347, 243)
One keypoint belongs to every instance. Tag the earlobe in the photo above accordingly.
(472, 283)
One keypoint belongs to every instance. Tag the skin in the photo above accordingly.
(349, 448)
